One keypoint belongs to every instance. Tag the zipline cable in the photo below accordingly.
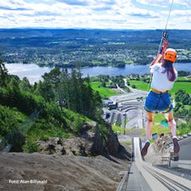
(164, 35)
(169, 14)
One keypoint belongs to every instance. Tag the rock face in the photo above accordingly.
(59, 173)
(115, 148)
(109, 146)
(73, 146)
(2, 145)
(90, 142)
(98, 147)
(67, 164)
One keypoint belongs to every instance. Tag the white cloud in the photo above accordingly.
(184, 2)
(167, 3)
(161, 3)
(115, 14)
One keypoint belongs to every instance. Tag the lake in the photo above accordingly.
(33, 72)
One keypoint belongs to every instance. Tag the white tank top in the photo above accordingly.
(160, 80)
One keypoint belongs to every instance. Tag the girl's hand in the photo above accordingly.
(157, 59)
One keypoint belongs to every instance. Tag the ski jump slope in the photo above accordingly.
(144, 177)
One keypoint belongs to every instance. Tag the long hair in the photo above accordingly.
(169, 69)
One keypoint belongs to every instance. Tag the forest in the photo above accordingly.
(57, 106)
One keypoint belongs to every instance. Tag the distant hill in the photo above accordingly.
(71, 47)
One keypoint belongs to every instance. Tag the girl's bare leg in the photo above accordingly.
(171, 123)
(149, 125)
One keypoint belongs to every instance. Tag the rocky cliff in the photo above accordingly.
(90, 142)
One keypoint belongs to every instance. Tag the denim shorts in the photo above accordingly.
(158, 102)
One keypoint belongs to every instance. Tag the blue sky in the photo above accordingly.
(103, 14)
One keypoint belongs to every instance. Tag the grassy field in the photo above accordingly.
(177, 86)
(104, 92)
(117, 129)
(140, 85)
(181, 86)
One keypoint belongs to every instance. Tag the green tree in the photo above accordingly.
(3, 73)
(45, 90)
(24, 85)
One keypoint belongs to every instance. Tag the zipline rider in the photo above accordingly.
(158, 99)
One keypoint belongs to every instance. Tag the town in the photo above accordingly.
(71, 48)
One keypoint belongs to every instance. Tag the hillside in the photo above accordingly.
(57, 120)
(69, 173)
(63, 105)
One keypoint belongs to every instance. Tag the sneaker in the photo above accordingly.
(145, 149)
(176, 157)
(176, 145)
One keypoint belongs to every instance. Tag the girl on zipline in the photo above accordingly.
(158, 99)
